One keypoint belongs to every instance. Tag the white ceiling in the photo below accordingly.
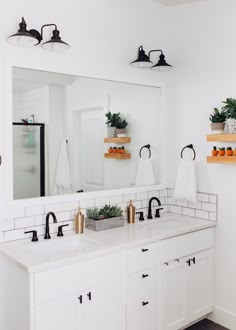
(176, 2)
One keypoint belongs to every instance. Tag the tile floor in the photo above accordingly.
(206, 325)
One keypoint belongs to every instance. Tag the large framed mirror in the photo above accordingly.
(61, 143)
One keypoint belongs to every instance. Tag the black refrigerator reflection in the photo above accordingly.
(28, 160)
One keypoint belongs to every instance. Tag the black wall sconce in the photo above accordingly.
(143, 60)
(26, 38)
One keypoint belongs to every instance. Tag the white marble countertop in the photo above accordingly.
(47, 254)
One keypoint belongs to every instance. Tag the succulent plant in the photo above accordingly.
(218, 116)
(112, 118)
(111, 211)
(93, 214)
(229, 148)
(230, 107)
(121, 123)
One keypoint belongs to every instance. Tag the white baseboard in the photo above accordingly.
(223, 317)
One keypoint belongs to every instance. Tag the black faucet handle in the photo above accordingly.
(60, 230)
(157, 215)
(141, 218)
(34, 237)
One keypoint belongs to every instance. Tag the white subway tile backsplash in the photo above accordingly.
(202, 214)
(100, 202)
(34, 217)
(86, 203)
(209, 207)
(201, 197)
(141, 196)
(116, 199)
(176, 209)
(57, 207)
(24, 222)
(34, 210)
(188, 211)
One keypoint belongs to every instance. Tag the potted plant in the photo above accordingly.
(230, 111)
(217, 119)
(112, 119)
(214, 151)
(121, 127)
(222, 151)
(104, 218)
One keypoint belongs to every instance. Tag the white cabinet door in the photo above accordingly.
(200, 285)
(104, 308)
(59, 314)
(173, 295)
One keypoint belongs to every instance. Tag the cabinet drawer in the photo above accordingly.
(140, 258)
(139, 284)
(187, 244)
(72, 278)
(142, 313)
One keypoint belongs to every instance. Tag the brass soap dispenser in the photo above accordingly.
(131, 212)
(79, 222)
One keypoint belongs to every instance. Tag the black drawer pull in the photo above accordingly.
(193, 260)
(144, 275)
(188, 262)
(144, 250)
(145, 303)
(89, 295)
(166, 263)
(80, 299)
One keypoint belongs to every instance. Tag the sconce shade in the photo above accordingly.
(23, 37)
(143, 60)
(162, 65)
(55, 44)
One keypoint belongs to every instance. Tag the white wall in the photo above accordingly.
(203, 43)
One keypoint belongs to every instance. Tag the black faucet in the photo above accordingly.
(157, 215)
(47, 234)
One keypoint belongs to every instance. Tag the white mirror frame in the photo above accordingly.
(6, 138)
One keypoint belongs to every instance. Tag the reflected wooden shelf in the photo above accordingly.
(221, 138)
(221, 159)
(117, 156)
(117, 140)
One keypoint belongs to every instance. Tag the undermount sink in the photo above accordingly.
(61, 245)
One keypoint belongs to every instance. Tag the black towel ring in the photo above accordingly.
(190, 146)
(149, 149)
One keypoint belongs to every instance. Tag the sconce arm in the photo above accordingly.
(155, 50)
(46, 25)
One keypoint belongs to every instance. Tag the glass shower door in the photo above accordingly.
(28, 160)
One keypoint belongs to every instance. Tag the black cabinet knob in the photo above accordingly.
(144, 275)
(34, 237)
(188, 262)
(144, 250)
(80, 299)
(89, 295)
(144, 303)
(193, 260)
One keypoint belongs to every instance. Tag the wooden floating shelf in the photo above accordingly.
(117, 156)
(117, 140)
(221, 138)
(221, 159)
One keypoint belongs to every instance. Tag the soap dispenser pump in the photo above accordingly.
(131, 212)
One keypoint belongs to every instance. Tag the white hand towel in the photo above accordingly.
(186, 181)
(62, 181)
(144, 175)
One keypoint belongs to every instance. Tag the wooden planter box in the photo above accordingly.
(104, 224)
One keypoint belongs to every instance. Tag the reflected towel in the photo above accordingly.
(145, 174)
(62, 181)
(186, 181)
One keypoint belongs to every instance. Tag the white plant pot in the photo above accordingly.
(111, 132)
(217, 128)
(231, 124)
(121, 132)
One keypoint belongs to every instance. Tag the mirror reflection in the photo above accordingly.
(76, 134)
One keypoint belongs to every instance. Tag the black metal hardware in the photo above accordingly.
(89, 295)
(0, 160)
(150, 207)
(189, 146)
(149, 149)
(80, 299)
(80, 191)
(60, 230)
(177, 260)
(144, 275)
(157, 215)
(166, 263)
(144, 250)
(141, 218)
(42, 152)
(193, 260)
(34, 237)
(47, 234)
(144, 303)
(188, 262)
